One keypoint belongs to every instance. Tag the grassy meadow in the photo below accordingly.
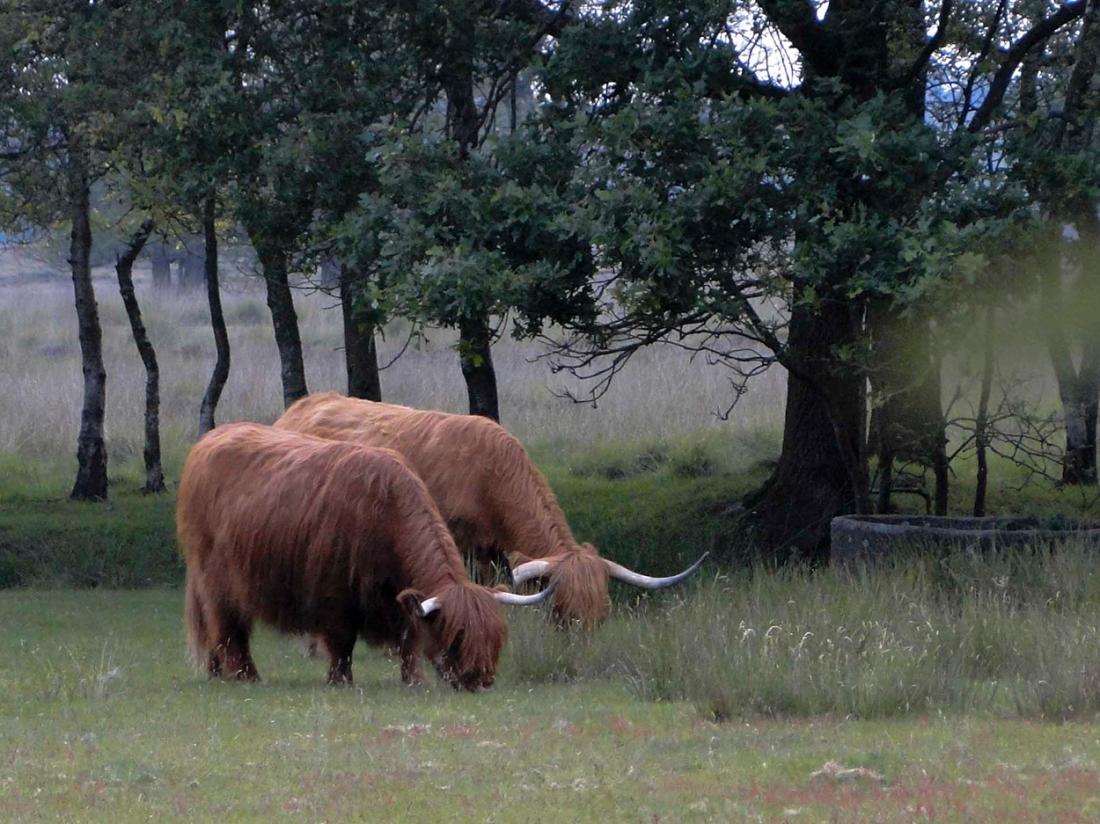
(956, 688)
(102, 718)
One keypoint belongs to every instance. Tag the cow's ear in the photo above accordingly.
(410, 601)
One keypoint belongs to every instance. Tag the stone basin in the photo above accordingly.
(866, 537)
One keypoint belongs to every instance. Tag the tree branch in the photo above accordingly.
(934, 42)
(1015, 55)
(136, 244)
(797, 21)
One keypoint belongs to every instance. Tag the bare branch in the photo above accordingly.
(934, 42)
(1035, 36)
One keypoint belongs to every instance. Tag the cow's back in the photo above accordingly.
(452, 454)
(285, 525)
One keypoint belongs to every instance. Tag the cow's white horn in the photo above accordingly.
(524, 600)
(530, 569)
(629, 576)
(428, 606)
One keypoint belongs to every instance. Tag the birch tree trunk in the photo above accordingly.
(124, 266)
(91, 450)
(217, 321)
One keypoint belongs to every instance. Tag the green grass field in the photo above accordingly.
(103, 719)
(948, 689)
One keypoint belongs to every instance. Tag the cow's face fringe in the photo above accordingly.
(580, 594)
(464, 637)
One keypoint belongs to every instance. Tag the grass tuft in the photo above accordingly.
(1010, 634)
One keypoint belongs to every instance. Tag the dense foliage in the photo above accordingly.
(834, 188)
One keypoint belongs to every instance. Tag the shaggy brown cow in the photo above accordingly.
(334, 539)
(488, 489)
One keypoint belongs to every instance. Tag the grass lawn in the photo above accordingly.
(102, 718)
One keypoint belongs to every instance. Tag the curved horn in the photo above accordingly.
(647, 582)
(529, 570)
(428, 606)
(524, 600)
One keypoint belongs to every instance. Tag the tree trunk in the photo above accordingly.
(474, 337)
(191, 269)
(981, 423)
(818, 475)
(1079, 406)
(1078, 387)
(909, 423)
(360, 351)
(476, 358)
(124, 265)
(161, 259)
(1081, 461)
(330, 273)
(217, 321)
(91, 451)
(284, 318)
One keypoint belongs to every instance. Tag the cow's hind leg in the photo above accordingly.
(340, 645)
(194, 618)
(231, 656)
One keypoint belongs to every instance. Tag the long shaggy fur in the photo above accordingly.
(320, 536)
(483, 481)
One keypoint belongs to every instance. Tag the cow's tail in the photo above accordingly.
(194, 618)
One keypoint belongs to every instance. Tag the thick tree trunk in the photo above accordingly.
(330, 273)
(360, 351)
(191, 269)
(981, 423)
(909, 423)
(124, 266)
(1078, 386)
(91, 451)
(284, 318)
(161, 260)
(476, 357)
(819, 473)
(217, 322)
(1080, 465)
(1079, 407)
(474, 336)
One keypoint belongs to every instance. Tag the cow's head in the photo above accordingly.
(579, 579)
(462, 630)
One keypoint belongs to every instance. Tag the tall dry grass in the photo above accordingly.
(663, 394)
(1011, 634)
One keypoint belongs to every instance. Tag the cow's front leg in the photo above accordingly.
(340, 646)
(409, 650)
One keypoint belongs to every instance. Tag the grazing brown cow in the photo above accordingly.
(334, 539)
(487, 488)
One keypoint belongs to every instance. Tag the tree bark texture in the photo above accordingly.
(91, 450)
(476, 359)
(981, 422)
(284, 318)
(217, 321)
(360, 350)
(817, 476)
(124, 266)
